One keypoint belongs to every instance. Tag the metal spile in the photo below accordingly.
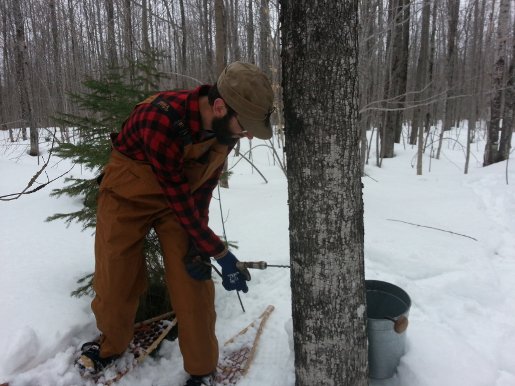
(241, 265)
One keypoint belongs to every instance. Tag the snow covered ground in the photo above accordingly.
(462, 319)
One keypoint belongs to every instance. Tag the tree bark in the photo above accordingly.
(58, 73)
(251, 56)
(221, 49)
(22, 73)
(453, 11)
(492, 154)
(509, 105)
(421, 84)
(397, 67)
(184, 40)
(144, 27)
(128, 37)
(264, 37)
(320, 84)
(207, 42)
(111, 42)
(474, 54)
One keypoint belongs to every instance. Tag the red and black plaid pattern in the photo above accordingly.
(148, 135)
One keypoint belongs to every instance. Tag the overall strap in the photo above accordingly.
(180, 129)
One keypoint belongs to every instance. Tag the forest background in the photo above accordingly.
(420, 61)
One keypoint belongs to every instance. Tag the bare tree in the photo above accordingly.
(320, 84)
(208, 40)
(421, 84)
(22, 76)
(474, 84)
(251, 56)
(184, 41)
(453, 8)
(220, 39)
(111, 43)
(493, 153)
(397, 72)
(264, 37)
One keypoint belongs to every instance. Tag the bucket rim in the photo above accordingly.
(398, 292)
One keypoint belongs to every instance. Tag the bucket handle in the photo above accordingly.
(399, 325)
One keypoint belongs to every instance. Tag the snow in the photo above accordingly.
(461, 324)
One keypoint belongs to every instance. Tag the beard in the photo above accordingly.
(222, 130)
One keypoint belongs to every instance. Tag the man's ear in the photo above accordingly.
(219, 108)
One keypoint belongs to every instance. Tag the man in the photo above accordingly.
(165, 163)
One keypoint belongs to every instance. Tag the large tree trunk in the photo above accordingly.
(320, 84)
(492, 154)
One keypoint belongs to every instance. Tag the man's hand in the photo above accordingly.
(232, 277)
(197, 266)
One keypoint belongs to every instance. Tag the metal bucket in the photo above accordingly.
(387, 312)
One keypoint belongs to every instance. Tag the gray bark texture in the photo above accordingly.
(264, 37)
(111, 39)
(421, 84)
(22, 73)
(397, 74)
(492, 153)
(320, 82)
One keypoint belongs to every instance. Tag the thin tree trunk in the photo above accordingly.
(58, 78)
(111, 42)
(473, 85)
(184, 41)
(251, 56)
(509, 103)
(264, 36)
(128, 37)
(397, 66)
(144, 27)
(421, 82)
(23, 80)
(207, 42)
(220, 39)
(453, 7)
(498, 81)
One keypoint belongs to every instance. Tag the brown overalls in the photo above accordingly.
(130, 203)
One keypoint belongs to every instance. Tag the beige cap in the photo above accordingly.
(247, 90)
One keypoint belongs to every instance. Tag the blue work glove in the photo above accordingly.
(232, 277)
(197, 265)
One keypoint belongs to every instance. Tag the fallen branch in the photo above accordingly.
(9, 197)
(15, 196)
(438, 229)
